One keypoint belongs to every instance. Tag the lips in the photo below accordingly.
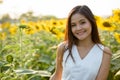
(80, 32)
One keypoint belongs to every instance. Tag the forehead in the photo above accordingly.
(77, 17)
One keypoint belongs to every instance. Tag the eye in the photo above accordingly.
(72, 25)
(83, 22)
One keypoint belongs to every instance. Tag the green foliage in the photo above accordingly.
(117, 76)
(24, 60)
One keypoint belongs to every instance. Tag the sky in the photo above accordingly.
(58, 8)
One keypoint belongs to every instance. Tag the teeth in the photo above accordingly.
(79, 33)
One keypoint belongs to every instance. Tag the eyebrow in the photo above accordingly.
(79, 20)
(82, 20)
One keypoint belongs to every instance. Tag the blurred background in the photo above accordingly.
(30, 31)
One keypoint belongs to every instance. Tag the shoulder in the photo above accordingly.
(107, 52)
(61, 48)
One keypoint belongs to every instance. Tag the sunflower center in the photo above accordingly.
(119, 36)
(106, 24)
(118, 14)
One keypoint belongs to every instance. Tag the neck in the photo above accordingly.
(85, 43)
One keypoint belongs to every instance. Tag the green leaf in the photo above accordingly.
(28, 71)
(116, 55)
(117, 76)
(1, 64)
(35, 77)
(5, 68)
(115, 62)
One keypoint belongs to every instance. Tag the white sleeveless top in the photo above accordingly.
(82, 69)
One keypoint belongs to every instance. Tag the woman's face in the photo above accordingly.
(81, 27)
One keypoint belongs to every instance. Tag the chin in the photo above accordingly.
(81, 39)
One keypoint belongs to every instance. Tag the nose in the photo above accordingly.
(78, 27)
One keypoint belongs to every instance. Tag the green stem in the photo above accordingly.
(109, 38)
(20, 40)
(1, 46)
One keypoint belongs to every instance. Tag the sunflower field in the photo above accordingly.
(28, 48)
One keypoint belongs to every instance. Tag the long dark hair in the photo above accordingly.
(69, 38)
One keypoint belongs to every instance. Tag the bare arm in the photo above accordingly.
(105, 66)
(58, 70)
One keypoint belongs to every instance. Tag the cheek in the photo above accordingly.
(90, 30)
(73, 30)
(89, 27)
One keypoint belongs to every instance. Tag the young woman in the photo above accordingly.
(82, 56)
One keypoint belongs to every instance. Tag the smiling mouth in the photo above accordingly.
(81, 32)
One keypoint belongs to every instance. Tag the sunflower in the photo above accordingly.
(5, 25)
(117, 37)
(13, 30)
(106, 25)
(116, 15)
(29, 31)
(22, 21)
(2, 36)
(116, 12)
(98, 18)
